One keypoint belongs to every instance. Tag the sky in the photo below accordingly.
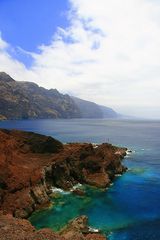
(103, 51)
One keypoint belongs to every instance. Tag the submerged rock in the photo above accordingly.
(79, 192)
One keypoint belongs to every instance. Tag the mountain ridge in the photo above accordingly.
(27, 100)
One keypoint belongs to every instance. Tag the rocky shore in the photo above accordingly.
(31, 164)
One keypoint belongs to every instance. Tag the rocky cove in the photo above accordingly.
(31, 164)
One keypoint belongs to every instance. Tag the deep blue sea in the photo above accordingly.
(130, 208)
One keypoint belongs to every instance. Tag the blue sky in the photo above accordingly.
(27, 24)
(106, 51)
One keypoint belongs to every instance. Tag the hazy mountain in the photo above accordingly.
(92, 110)
(109, 112)
(88, 109)
(26, 100)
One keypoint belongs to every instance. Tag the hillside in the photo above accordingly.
(26, 100)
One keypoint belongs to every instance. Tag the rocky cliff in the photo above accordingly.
(26, 100)
(30, 164)
(17, 229)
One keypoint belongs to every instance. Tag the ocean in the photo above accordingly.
(130, 208)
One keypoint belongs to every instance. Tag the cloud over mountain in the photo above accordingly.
(109, 54)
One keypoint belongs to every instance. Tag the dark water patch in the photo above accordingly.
(141, 231)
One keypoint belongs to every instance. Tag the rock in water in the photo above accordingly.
(78, 229)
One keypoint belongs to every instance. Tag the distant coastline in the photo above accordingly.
(26, 100)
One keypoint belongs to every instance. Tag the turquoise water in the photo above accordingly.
(130, 209)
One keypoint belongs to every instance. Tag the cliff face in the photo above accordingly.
(22, 183)
(26, 100)
(17, 229)
(30, 164)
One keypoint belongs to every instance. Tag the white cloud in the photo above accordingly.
(110, 55)
(3, 44)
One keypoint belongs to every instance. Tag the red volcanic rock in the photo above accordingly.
(30, 164)
(86, 164)
(95, 236)
(22, 183)
(79, 192)
(18, 229)
(78, 229)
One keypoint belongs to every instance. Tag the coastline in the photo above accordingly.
(44, 162)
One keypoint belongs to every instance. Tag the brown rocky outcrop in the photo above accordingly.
(78, 229)
(17, 229)
(20, 229)
(30, 164)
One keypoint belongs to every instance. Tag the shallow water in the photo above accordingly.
(130, 209)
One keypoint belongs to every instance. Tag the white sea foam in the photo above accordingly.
(93, 230)
(59, 190)
(95, 145)
(129, 152)
(129, 169)
(118, 175)
(77, 186)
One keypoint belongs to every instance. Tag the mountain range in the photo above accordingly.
(26, 100)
